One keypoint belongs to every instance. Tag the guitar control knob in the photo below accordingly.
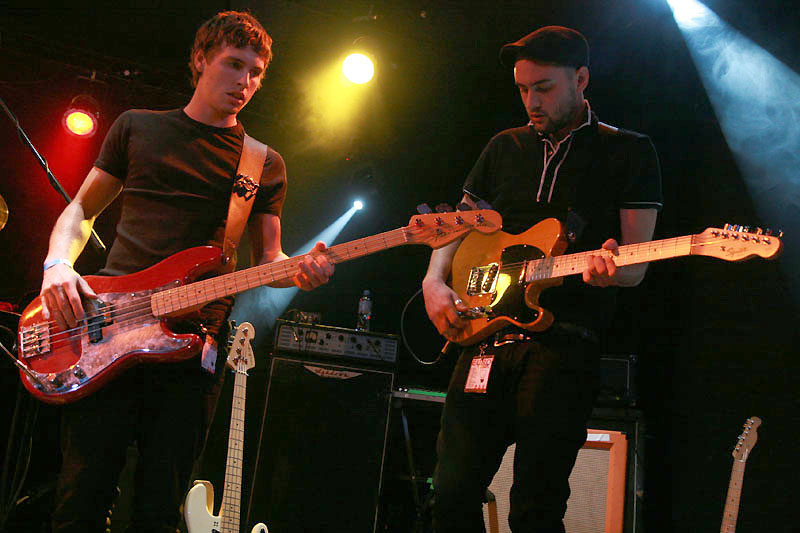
(479, 218)
(419, 222)
(459, 220)
(438, 221)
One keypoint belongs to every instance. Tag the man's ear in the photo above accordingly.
(199, 61)
(582, 78)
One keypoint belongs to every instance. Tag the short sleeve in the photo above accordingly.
(642, 186)
(478, 183)
(272, 189)
(113, 156)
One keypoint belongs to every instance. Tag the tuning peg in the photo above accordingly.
(424, 209)
(463, 206)
(745, 229)
(759, 231)
(444, 208)
(726, 227)
(483, 204)
(779, 234)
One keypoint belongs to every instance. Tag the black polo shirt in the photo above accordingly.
(583, 181)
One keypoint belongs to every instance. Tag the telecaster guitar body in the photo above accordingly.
(506, 299)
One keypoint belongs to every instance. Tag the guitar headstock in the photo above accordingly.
(439, 229)
(240, 354)
(737, 243)
(747, 440)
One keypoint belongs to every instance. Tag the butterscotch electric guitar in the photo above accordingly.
(500, 276)
(198, 509)
(744, 445)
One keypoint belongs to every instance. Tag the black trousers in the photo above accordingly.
(166, 408)
(539, 395)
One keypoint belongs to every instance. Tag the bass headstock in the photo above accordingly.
(438, 229)
(240, 352)
(737, 243)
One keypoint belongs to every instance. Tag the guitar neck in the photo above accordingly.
(731, 511)
(629, 254)
(232, 493)
(202, 292)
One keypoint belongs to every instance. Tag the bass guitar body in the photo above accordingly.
(501, 298)
(199, 509)
(121, 331)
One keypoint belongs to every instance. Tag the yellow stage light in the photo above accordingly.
(358, 68)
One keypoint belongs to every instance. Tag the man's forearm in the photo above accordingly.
(70, 234)
(441, 261)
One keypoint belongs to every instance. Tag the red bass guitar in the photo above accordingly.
(131, 320)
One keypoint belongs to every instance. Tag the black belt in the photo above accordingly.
(509, 335)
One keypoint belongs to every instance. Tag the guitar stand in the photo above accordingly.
(420, 504)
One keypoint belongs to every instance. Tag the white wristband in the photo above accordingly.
(58, 261)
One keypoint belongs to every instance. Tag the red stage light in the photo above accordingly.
(80, 123)
(81, 118)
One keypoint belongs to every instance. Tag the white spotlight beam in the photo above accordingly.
(756, 99)
(262, 306)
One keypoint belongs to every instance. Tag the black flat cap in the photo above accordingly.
(554, 45)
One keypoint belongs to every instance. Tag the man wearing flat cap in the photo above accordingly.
(603, 183)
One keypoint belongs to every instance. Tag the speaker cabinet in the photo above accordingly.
(319, 462)
(605, 483)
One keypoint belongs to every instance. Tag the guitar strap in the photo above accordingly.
(245, 187)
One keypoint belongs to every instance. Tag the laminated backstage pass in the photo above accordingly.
(478, 376)
(209, 358)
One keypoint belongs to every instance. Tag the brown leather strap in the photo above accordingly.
(245, 187)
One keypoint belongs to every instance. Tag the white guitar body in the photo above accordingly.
(199, 506)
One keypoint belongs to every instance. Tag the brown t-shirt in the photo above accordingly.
(177, 176)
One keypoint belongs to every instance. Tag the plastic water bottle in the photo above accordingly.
(364, 311)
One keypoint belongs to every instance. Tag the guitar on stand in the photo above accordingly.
(199, 506)
(744, 446)
(500, 276)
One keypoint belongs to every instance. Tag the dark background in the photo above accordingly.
(716, 340)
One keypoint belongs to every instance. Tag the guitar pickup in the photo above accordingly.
(483, 279)
(97, 319)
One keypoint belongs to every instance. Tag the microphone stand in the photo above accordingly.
(94, 238)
